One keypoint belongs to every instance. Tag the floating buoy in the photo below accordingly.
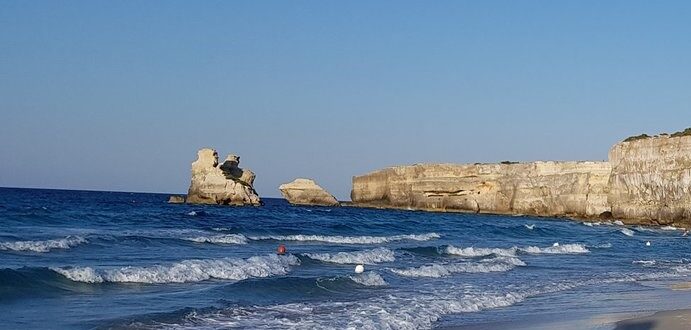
(555, 244)
(647, 243)
(359, 269)
(281, 250)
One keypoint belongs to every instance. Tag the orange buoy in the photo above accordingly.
(281, 249)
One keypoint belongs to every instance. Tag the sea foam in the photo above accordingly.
(193, 270)
(368, 257)
(480, 252)
(43, 246)
(499, 264)
(368, 279)
(219, 239)
(348, 239)
(510, 252)
(557, 249)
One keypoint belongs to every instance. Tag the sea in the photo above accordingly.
(114, 260)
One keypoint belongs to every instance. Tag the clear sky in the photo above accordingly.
(119, 95)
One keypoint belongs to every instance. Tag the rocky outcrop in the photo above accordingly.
(539, 188)
(647, 180)
(224, 184)
(306, 192)
(174, 199)
(651, 180)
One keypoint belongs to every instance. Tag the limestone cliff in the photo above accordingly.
(539, 188)
(647, 180)
(306, 192)
(224, 184)
(651, 180)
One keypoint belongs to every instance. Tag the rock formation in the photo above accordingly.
(539, 188)
(651, 180)
(646, 181)
(306, 192)
(174, 199)
(224, 184)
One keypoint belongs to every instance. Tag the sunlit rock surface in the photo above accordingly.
(306, 192)
(224, 184)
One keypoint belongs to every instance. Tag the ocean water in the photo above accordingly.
(85, 260)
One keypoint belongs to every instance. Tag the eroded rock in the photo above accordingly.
(307, 192)
(224, 184)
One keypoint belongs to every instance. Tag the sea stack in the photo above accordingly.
(307, 192)
(223, 184)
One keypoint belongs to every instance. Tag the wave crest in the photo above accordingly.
(220, 239)
(368, 257)
(193, 270)
(557, 249)
(499, 264)
(43, 246)
(368, 279)
(348, 239)
(480, 252)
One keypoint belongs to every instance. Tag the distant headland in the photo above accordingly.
(646, 180)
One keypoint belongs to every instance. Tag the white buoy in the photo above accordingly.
(359, 269)
(647, 243)
(555, 244)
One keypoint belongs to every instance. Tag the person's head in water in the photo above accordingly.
(281, 249)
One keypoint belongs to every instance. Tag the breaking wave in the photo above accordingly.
(499, 264)
(43, 246)
(349, 239)
(627, 232)
(368, 257)
(219, 239)
(511, 252)
(193, 270)
(368, 279)
(480, 252)
(557, 249)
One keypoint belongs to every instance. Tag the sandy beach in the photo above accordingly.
(667, 320)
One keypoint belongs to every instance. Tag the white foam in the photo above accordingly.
(669, 228)
(220, 239)
(480, 252)
(43, 246)
(368, 279)
(557, 249)
(618, 223)
(644, 262)
(499, 264)
(192, 213)
(349, 239)
(530, 227)
(627, 232)
(368, 257)
(193, 270)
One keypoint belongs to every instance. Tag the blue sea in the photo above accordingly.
(98, 260)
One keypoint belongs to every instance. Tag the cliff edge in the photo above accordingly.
(647, 180)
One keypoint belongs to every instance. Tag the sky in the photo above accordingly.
(119, 95)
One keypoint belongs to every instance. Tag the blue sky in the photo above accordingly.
(119, 95)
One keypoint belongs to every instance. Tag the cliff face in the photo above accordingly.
(651, 180)
(646, 181)
(539, 188)
(306, 192)
(224, 184)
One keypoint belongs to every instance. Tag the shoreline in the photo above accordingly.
(679, 319)
(571, 217)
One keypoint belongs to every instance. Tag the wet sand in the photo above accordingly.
(667, 320)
